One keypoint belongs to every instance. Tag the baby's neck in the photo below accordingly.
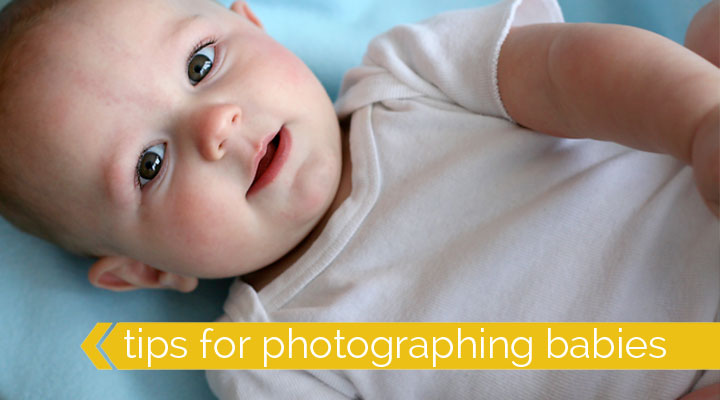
(262, 277)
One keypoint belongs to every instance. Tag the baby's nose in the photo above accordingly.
(213, 127)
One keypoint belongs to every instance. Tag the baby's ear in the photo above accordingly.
(122, 274)
(242, 8)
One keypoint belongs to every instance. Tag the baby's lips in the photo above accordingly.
(261, 150)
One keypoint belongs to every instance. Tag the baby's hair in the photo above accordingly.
(17, 20)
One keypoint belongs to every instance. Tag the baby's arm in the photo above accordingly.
(616, 83)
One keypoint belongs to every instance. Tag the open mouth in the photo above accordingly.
(272, 161)
(268, 157)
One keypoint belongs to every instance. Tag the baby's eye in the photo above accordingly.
(201, 62)
(150, 163)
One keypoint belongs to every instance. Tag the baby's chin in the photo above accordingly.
(317, 205)
(316, 195)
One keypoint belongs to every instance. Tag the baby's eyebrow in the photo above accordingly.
(182, 26)
(118, 179)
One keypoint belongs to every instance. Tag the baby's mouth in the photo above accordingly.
(267, 159)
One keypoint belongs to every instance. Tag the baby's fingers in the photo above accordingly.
(706, 161)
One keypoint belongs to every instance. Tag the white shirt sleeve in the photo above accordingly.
(279, 384)
(451, 57)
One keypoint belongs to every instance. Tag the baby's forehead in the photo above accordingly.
(90, 56)
(117, 19)
(63, 83)
(77, 73)
(126, 18)
(93, 67)
(94, 43)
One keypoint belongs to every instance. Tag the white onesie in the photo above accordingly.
(457, 214)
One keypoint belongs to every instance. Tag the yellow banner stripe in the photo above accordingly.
(588, 346)
(89, 345)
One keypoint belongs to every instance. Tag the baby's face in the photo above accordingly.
(179, 134)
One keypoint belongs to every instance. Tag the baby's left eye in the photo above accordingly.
(150, 163)
(200, 64)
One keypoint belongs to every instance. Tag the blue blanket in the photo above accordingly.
(48, 307)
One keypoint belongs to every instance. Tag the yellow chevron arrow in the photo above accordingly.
(89, 345)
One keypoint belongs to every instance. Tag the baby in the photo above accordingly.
(175, 140)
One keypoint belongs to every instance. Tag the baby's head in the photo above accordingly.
(170, 138)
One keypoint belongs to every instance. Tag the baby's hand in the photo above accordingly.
(702, 38)
(705, 158)
(711, 392)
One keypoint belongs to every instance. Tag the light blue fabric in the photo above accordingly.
(47, 305)
(315, 29)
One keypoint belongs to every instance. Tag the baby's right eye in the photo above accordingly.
(150, 163)
(200, 63)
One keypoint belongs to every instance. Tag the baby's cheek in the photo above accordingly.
(196, 225)
(293, 71)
